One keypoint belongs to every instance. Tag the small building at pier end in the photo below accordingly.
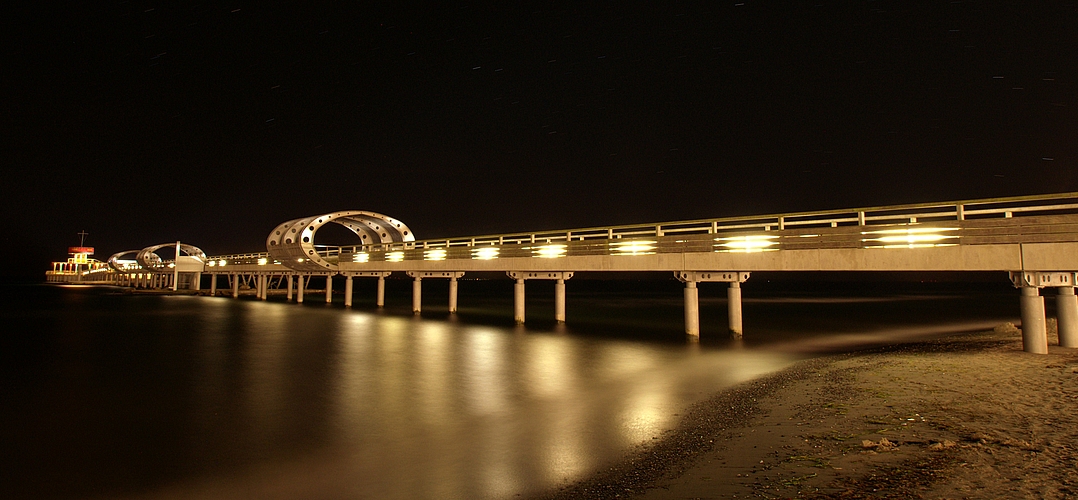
(78, 268)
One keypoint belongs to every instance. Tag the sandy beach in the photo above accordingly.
(968, 416)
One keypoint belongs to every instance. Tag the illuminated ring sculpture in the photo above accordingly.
(149, 260)
(292, 242)
(115, 261)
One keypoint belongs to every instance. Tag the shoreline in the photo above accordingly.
(966, 416)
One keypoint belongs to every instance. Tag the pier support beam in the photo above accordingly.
(213, 284)
(288, 294)
(518, 301)
(692, 309)
(559, 278)
(733, 295)
(299, 289)
(329, 289)
(417, 295)
(264, 281)
(1067, 316)
(380, 298)
(1034, 335)
(559, 301)
(692, 300)
(453, 295)
(347, 291)
(416, 287)
(235, 286)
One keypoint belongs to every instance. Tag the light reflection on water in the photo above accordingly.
(268, 399)
(483, 412)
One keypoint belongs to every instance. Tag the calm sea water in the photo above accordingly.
(107, 395)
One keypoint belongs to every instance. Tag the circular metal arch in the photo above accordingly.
(149, 260)
(114, 261)
(292, 243)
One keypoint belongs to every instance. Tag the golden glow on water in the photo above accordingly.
(548, 369)
(483, 366)
(324, 402)
(435, 374)
(915, 237)
(646, 412)
(747, 244)
(265, 377)
(422, 408)
(632, 247)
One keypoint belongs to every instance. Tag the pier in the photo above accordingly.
(1034, 239)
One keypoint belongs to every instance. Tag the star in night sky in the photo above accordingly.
(145, 122)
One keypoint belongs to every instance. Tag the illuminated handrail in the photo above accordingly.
(859, 216)
(867, 216)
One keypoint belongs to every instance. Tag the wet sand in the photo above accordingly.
(969, 416)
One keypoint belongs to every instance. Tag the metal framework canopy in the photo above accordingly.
(292, 243)
(119, 263)
(149, 260)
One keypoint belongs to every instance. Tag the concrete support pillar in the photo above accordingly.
(380, 299)
(1034, 335)
(692, 309)
(733, 295)
(265, 286)
(347, 291)
(417, 295)
(518, 301)
(329, 289)
(1067, 316)
(299, 289)
(235, 286)
(453, 295)
(213, 284)
(198, 282)
(288, 294)
(559, 301)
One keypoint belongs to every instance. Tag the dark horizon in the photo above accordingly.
(143, 123)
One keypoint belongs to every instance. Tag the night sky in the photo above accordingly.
(147, 122)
